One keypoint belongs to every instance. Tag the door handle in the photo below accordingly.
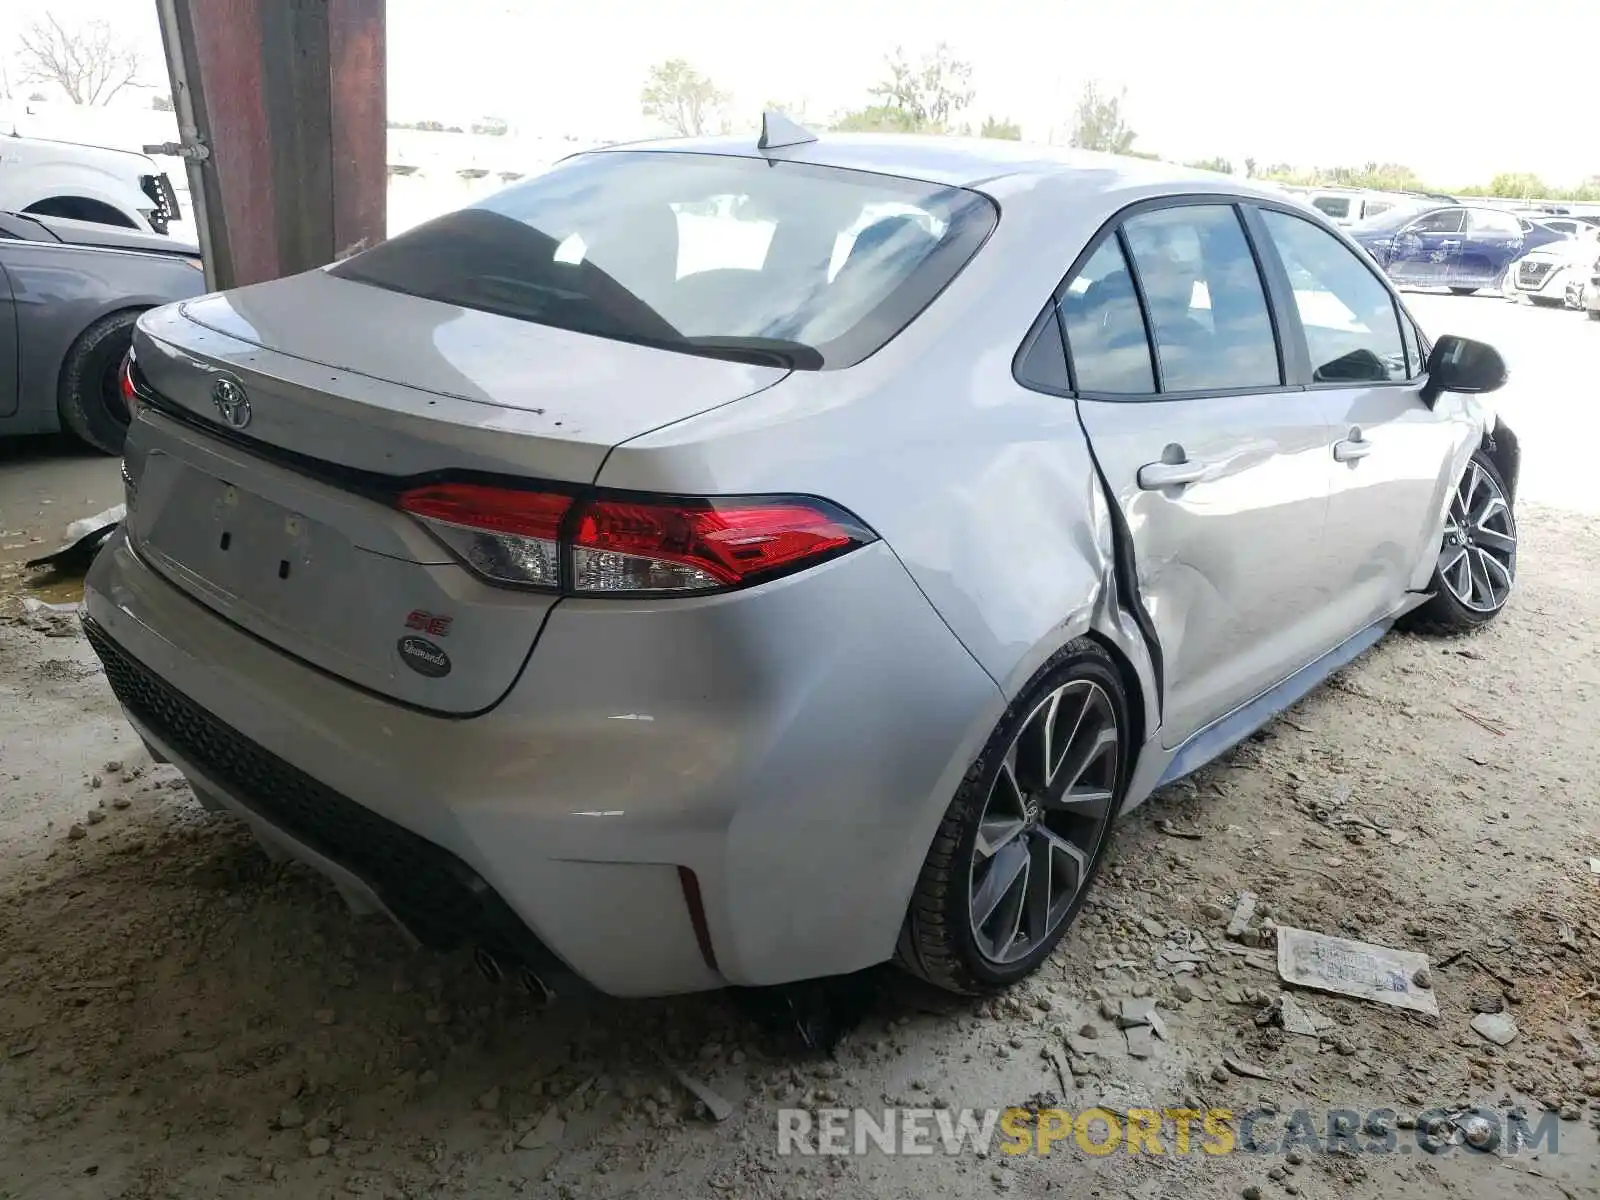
(1351, 448)
(1157, 475)
(1449, 242)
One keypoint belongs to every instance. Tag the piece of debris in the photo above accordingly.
(94, 816)
(1063, 1072)
(490, 1100)
(76, 833)
(83, 540)
(1594, 866)
(1301, 1018)
(719, 1108)
(1141, 1040)
(1359, 969)
(318, 1146)
(1496, 1027)
(1242, 912)
(1488, 1003)
(1423, 978)
(1480, 722)
(1171, 830)
(290, 1118)
(1153, 927)
(1136, 1011)
(1248, 1070)
(549, 1130)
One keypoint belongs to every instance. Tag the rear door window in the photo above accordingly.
(766, 260)
(1351, 327)
(1207, 305)
(1337, 207)
(1106, 336)
(1446, 220)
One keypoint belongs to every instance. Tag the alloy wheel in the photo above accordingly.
(1478, 561)
(1045, 817)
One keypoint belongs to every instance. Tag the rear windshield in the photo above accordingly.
(766, 261)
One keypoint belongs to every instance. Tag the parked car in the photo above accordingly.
(1347, 206)
(664, 631)
(85, 183)
(1543, 276)
(70, 292)
(1458, 246)
(1541, 231)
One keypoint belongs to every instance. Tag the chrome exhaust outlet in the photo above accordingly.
(487, 966)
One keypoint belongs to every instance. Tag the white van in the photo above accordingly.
(1347, 206)
(85, 183)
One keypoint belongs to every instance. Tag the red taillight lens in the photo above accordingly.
(130, 392)
(630, 546)
(627, 545)
(505, 534)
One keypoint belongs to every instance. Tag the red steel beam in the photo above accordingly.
(286, 101)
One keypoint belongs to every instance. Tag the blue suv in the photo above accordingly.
(1458, 246)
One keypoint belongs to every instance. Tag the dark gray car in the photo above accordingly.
(70, 292)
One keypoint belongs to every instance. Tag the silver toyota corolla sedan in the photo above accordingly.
(720, 562)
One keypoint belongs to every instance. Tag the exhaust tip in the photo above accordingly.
(488, 966)
(535, 987)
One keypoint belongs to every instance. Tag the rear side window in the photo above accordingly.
(1333, 206)
(1446, 220)
(767, 261)
(1105, 329)
(1207, 306)
(1486, 221)
(1349, 317)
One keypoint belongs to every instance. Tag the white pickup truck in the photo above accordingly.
(85, 183)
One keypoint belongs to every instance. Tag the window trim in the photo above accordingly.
(1112, 227)
(1292, 312)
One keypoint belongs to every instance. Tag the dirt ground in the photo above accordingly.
(181, 1017)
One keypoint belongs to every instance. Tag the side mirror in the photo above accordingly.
(1459, 364)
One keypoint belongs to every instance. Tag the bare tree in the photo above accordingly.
(928, 93)
(1099, 124)
(682, 99)
(90, 63)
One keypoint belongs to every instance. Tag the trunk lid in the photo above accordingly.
(286, 526)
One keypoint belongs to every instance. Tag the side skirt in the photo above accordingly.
(1228, 731)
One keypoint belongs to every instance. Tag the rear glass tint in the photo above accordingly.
(758, 259)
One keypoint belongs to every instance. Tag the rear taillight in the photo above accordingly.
(505, 534)
(630, 545)
(129, 389)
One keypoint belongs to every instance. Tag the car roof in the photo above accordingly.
(978, 163)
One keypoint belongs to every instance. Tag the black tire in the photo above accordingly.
(1462, 291)
(1594, 314)
(1444, 614)
(937, 942)
(1546, 302)
(90, 396)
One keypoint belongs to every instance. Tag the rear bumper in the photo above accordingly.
(793, 746)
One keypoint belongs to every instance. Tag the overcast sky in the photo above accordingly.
(1440, 85)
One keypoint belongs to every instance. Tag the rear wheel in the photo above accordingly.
(90, 397)
(1014, 856)
(1477, 563)
(1462, 291)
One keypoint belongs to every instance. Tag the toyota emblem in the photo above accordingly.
(232, 404)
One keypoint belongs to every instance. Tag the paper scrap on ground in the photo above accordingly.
(1358, 969)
